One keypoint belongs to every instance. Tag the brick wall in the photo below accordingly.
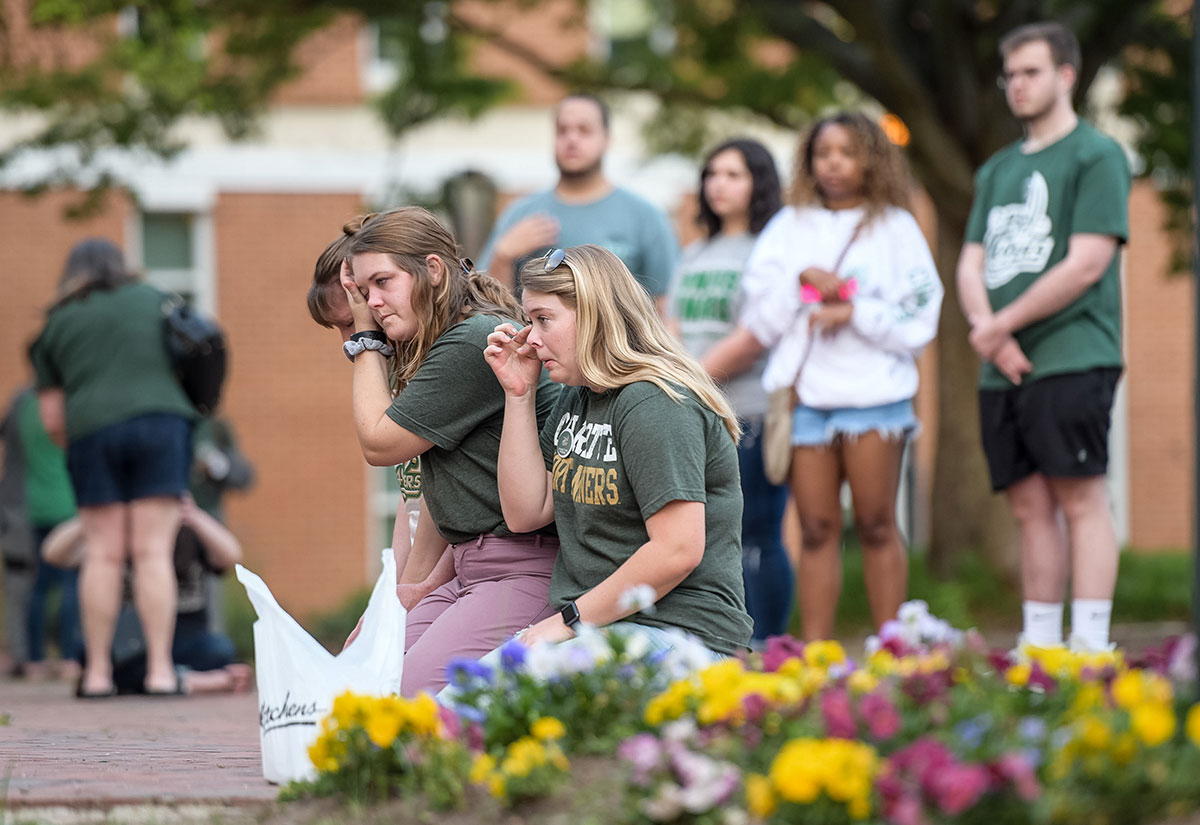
(1159, 342)
(304, 523)
(331, 67)
(34, 242)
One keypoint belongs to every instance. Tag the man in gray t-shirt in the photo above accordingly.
(584, 207)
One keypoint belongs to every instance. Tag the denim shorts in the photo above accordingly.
(146, 456)
(818, 428)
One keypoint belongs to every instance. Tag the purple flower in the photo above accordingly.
(971, 731)
(463, 670)
(512, 655)
(1031, 729)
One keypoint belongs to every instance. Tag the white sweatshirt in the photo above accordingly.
(872, 360)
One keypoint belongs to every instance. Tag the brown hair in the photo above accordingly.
(93, 264)
(407, 235)
(885, 173)
(620, 338)
(327, 274)
(1064, 47)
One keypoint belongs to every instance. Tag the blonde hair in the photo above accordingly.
(885, 178)
(407, 235)
(620, 338)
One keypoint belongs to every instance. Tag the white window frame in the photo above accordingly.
(200, 279)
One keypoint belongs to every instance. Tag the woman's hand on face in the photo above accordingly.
(551, 629)
(823, 281)
(509, 355)
(829, 318)
(364, 319)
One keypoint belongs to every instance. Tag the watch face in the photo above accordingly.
(570, 614)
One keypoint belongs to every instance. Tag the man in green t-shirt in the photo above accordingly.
(1039, 281)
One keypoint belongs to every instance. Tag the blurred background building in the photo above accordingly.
(237, 226)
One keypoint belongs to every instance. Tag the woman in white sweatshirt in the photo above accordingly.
(842, 289)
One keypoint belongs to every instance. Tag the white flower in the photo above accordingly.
(686, 656)
(639, 598)
(913, 612)
(679, 730)
(636, 646)
(665, 805)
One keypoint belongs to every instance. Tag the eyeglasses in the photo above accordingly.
(1006, 79)
(554, 259)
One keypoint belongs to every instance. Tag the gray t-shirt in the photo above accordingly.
(631, 228)
(455, 401)
(706, 299)
(617, 458)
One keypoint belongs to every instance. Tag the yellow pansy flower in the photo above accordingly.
(760, 796)
(548, 728)
(1018, 674)
(1153, 723)
(1191, 725)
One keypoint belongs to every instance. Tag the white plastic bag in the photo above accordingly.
(298, 678)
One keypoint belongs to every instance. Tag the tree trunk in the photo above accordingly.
(967, 517)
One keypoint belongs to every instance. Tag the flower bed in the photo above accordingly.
(929, 728)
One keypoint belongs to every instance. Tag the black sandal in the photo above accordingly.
(178, 690)
(80, 693)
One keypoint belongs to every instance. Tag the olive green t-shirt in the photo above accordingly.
(107, 353)
(455, 401)
(1027, 206)
(617, 458)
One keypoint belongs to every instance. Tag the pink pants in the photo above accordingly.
(500, 586)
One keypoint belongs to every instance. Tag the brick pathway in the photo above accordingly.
(56, 750)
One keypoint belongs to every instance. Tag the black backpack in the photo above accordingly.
(196, 347)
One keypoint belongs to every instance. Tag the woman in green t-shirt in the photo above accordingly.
(637, 465)
(408, 289)
(107, 391)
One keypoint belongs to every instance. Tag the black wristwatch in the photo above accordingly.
(570, 615)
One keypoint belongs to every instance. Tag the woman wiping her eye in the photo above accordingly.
(636, 465)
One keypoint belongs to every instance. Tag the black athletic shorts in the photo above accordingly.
(1057, 426)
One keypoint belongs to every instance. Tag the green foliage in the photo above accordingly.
(1151, 587)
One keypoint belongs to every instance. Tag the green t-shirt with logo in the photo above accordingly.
(455, 402)
(107, 353)
(617, 458)
(48, 491)
(1027, 206)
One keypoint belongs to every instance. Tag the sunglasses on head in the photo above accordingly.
(554, 259)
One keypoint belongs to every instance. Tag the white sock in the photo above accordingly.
(1043, 623)
(1089, 622)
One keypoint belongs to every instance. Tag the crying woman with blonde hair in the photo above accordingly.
(636, 465)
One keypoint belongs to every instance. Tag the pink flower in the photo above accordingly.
(883, 721)
(450, 722)
(839, 720)
(1039, 677)
(907, 810)
(779, 650)
(755, 705)
(957, 787)
(1018, 770)
(644, 754)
